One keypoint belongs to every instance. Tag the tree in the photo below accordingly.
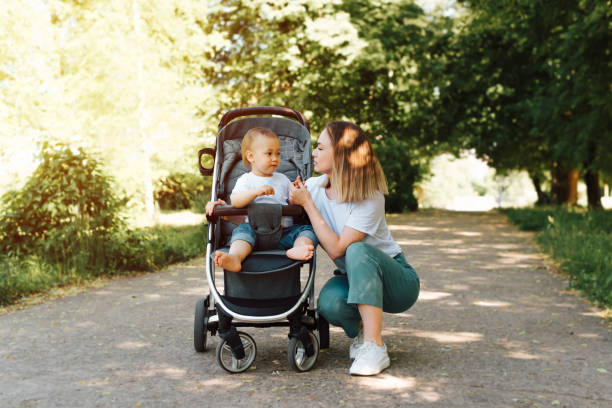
(355, 60)
(118, 76)
(510, 90)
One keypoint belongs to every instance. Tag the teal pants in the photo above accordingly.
(372, 278)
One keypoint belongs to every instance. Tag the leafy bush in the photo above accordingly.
(141, 250)
(66, 203)
(181, 191)
(581, 241)
(64, 226)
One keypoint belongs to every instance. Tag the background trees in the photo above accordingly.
(356, 60)
(526, 84)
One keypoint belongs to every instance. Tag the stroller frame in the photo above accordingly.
(236, 351)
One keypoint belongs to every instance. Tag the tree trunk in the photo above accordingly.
(564, 189)
(591, 179)
(572, 187)
(558, 188)
(142, 123)
(543, 197)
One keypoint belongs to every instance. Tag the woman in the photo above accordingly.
(346, 207)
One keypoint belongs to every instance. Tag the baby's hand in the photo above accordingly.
(210, 206)
(265, 190)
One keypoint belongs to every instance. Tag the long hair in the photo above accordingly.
(356, 173)
(249, 138)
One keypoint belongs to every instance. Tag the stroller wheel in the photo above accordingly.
(200, 326)
(296, 353)
(226, 359)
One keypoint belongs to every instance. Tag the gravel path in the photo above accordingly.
(494, 326)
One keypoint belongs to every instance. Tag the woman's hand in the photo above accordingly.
(298, 193)
(210, 206)
(235, 219)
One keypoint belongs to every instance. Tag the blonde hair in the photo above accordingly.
(249, 138)
(356, 173)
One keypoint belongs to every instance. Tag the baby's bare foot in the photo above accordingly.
(228, 261)
(301, 253)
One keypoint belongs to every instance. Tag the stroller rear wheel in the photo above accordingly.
(200, 325)
(226, 359)
(296, 353)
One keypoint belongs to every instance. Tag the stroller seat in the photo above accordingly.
(268, 284)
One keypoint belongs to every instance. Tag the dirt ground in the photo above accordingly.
(494, 327)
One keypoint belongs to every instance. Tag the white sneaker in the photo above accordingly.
(357, 343)
(371, 359)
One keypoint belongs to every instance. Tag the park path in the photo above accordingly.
(493, 327)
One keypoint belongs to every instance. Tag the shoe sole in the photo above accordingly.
(386, 365)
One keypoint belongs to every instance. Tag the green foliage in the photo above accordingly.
(19, 277)
(530, 219)
(141, 250)
(356, 60)
(66, 203)
(123, 76)
(181, 191)
(580, 241)
(394, 157)
(525, 84)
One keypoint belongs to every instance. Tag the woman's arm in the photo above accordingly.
(335, 245)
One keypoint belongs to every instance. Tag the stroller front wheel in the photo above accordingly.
(296, 353)
(228, 362)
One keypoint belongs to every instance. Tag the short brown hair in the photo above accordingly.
(356, 172)
(249, 138)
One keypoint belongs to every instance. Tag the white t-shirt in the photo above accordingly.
(278, 181)
(367, 216)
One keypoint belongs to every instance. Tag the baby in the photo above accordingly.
(261, 152)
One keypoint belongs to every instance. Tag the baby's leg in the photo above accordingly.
(232, 261)
(303, 249)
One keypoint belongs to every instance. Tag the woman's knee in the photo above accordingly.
(362, 262)
(357, 250)
(332, 299)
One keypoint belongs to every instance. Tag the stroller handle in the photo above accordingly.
(228, 210)
(264, 110)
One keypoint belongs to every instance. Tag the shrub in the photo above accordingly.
(64, 226)
(67, 203)
(181, 191)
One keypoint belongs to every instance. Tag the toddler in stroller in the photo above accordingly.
(261, 152)
(264, 288)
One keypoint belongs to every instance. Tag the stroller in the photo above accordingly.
(267, 291)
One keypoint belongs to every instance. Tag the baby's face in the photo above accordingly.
(264, 155)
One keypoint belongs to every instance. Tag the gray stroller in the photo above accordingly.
(268, 290)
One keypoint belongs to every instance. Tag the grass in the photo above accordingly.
(140, 250)
(579, 240)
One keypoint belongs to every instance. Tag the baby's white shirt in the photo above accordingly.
(278, 181)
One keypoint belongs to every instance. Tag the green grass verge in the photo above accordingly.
(579, 240)
(141, 250)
